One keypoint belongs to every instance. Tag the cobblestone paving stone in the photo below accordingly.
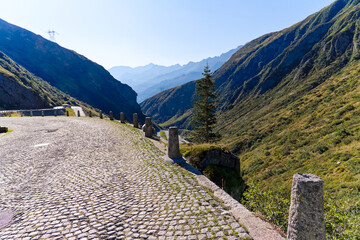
(83, 178)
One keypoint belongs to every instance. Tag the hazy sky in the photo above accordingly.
(165, 32)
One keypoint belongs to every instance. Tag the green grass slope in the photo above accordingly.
(289, 102)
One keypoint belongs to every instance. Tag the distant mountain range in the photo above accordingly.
(67, 71)
(152, 79)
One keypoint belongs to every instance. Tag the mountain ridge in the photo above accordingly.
(152, 83)
(68, 71)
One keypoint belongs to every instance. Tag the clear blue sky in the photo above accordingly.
(165, 32)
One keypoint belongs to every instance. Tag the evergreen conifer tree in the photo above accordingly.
(203, 114)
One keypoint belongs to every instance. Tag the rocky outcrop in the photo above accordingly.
(214, 155)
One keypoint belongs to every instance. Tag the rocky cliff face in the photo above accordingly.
(68, 71)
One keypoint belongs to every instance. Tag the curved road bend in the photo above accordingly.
(83, 178)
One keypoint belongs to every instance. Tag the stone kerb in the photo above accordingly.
(148, 127)
(306, 213)
(174, 149)
(135, 120)
(122, 118)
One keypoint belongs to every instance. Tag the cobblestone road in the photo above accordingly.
(82, 178)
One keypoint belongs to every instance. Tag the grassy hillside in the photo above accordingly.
(289, 102)
(20, 89)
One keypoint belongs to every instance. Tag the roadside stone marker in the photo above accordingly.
(111, 115)
(148, 128)
(31, 113)
(122, 118)
(55, 113)
(173, 149)
(67, 113)
(42, 113)
(101, 116)
(306, 213)
(135, 120)
(90, 114)
(78, 113)
(3, 129)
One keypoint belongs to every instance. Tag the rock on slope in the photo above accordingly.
(68, 71)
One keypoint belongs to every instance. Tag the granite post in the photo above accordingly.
(90, 114)
(31, 113)
(135, 120)
(42, 113)
(101, 116)
(306, 213)
(111, 115)
(122, 118)
(55, 113)
(67, 113)
(174, 149)
(78, 113)
(148, 128)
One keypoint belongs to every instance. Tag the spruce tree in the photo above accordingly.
(203, 114)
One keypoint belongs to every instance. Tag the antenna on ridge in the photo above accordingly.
(52, 35)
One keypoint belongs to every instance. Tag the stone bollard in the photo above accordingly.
(148, 128)
(31, 113)
(3, 129)
(135, 120)
(101, 116)
(78, 113)
(67, 113)
(90, 114)
(111, 116)
(306, 213)
(173, 149)
(55, 113)
(122, 118)
(42, 114)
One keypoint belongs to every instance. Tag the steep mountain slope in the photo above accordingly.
(289, 102)
(68, 71)
(327, 40)
(20, 89)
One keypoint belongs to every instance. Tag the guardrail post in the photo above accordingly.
(174, 149)
(122, 118)
(135, 120)
(148, 128)
(306, 213)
